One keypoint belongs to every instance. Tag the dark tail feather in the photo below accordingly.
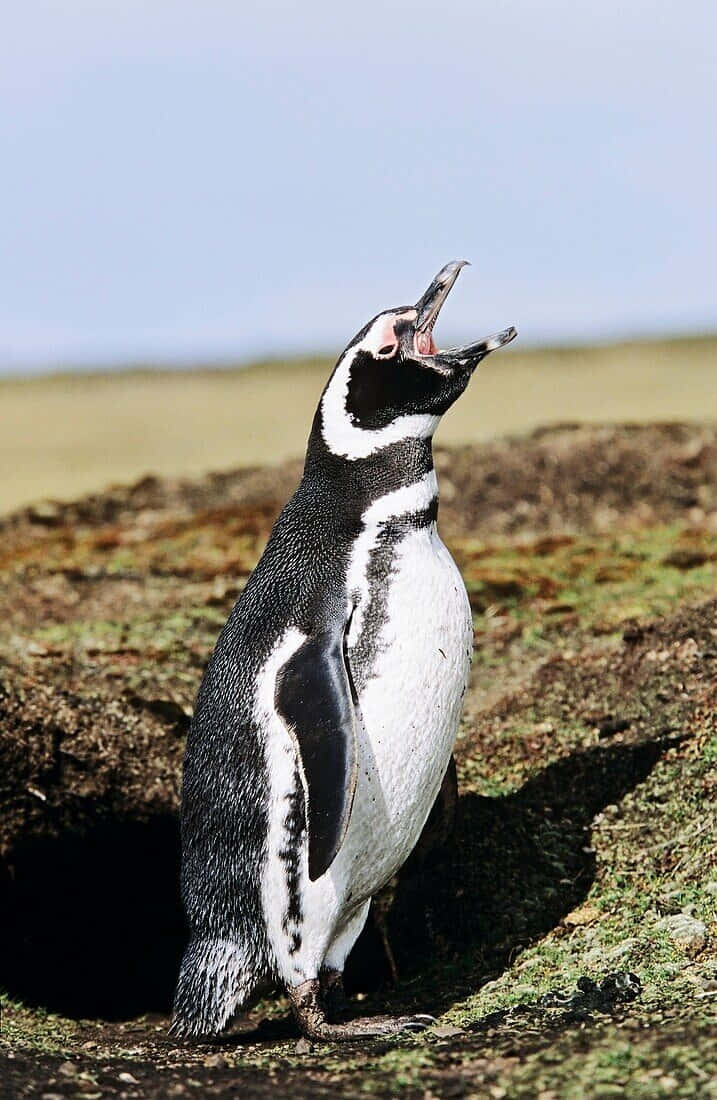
(215, 980)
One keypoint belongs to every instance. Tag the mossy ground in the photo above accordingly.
(587, 762)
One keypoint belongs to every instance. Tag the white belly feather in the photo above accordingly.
(410, 709)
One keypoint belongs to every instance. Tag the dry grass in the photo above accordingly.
(65, 435)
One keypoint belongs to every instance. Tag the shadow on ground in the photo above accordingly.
(94, 925)
(513, 869)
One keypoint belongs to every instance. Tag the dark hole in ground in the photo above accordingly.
(94, 925)
(93, 918)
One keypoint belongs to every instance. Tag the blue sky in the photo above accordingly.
(217, 180)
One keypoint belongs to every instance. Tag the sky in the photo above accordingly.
(184, 182)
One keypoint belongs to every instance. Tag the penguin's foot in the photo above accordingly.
(311, 1015)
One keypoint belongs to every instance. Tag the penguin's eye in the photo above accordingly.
(387, 349)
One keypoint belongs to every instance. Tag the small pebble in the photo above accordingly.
(447, 1031)
(303, 1047)
(685, 932)
(622, 949)
(215, 1061)
(584, 914)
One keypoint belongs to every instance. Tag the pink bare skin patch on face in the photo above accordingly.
(383, 336)
(386, 334)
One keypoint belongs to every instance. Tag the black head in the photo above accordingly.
(392, 382)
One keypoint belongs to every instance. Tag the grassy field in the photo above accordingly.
(65, 435)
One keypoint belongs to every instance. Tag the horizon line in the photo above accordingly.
(209, 364)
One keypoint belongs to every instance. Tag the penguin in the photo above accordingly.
(327, 715)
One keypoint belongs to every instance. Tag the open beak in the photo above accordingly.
(429, 306)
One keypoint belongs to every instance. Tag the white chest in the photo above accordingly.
(410, 703)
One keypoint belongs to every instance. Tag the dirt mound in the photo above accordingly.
(585, 759)
(573, 477)
(582, 479)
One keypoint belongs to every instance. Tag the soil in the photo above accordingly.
(586, 764)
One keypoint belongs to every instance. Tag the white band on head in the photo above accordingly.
(343, 437)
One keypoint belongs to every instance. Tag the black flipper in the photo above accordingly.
(314, 696)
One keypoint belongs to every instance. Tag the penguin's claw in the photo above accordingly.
(307, 1002)
(392, 1025)
(373, 1027)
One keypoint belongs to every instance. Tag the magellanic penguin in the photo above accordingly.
(327, 715)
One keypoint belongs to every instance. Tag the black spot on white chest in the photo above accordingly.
(370, 598)
(402, 581)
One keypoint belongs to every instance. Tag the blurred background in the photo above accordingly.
(201, 204)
